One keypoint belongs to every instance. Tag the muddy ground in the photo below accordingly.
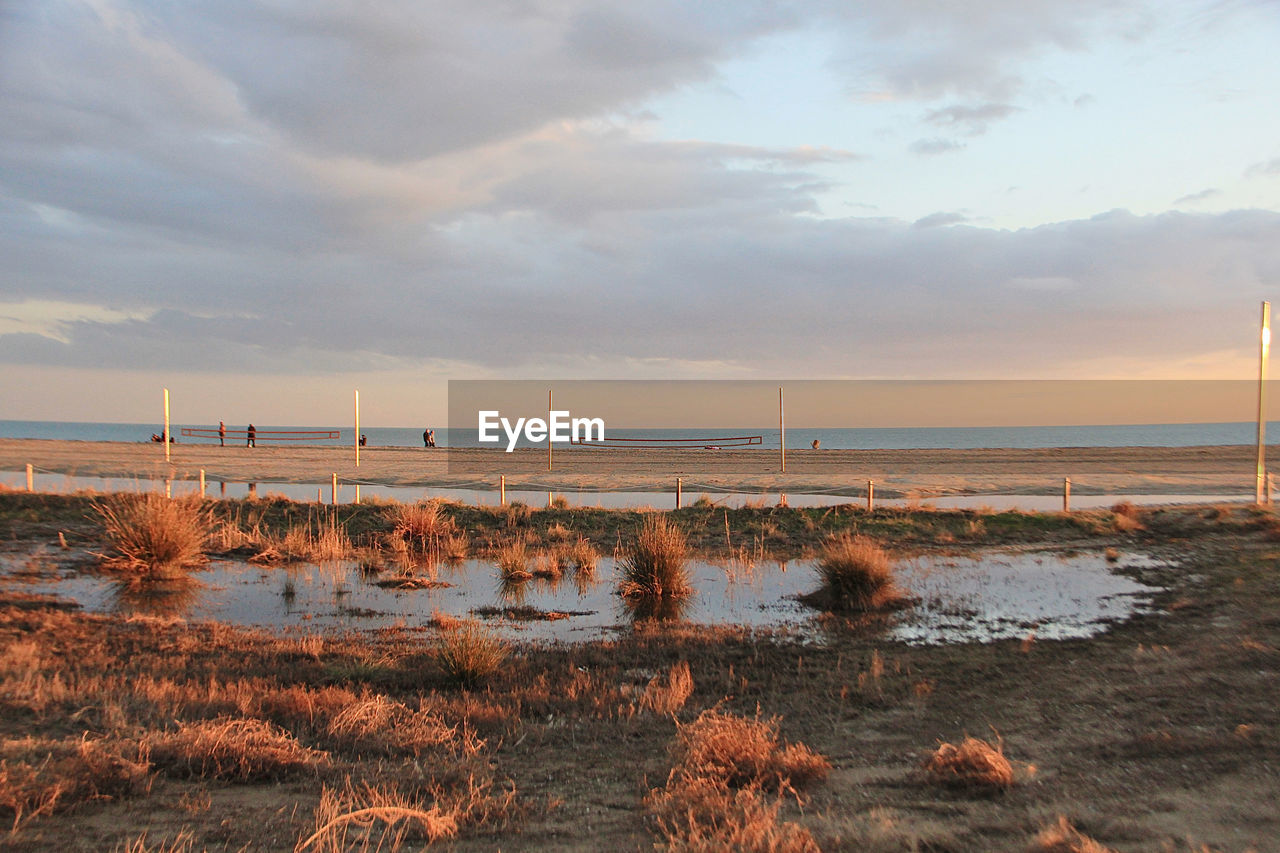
(1159, 734)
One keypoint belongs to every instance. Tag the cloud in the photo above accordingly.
(935, 220)
(970, 120)
(930, 147)
(1196, 198)
(1266, 169)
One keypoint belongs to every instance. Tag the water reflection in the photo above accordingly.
(172, 597)
(656, 608)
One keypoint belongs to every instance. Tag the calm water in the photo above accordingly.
(997, 595)
(1133, 435)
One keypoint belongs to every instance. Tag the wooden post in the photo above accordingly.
(168, 488)
(1066, 494)
(222, 488)
(31, 478)
(550, 407)
(357, 493)
(202, 482)
(319, 495)
(166, 425)
(253, 491)
(679, 484)
(333, 483)
(782, 430)
(357, 439)
(1264, 346)
(502, 490)
(871, 495)
(548, 500)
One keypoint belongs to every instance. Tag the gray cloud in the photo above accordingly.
(1196, 198)
(970, 120)
(931, 147)
(940, 218)
(1265, 169)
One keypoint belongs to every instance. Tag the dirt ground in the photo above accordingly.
(1159, 734)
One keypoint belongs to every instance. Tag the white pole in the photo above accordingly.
(1264, 347)
(782, 430)
(357, 441)
(166, 425)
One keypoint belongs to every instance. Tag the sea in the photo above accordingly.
(837, 438)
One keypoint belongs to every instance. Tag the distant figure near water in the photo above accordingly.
(222, 434)
(252, 440)
(363, 439)
(816, 443)
(428, 438)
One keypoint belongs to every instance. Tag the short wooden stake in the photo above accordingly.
(502, 490)
(333, 482)
(1066, 494)
(31, 478)
(871, 495)
(168, 488)
(679, 484)
(548, 500)
(222, 488)
(319, 495)
(253, 491)
(201, 482)
(357, 493)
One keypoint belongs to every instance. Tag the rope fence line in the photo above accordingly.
(860, 488)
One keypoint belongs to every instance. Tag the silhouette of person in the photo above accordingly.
(426, 438)
(363, 440)
(222, 434)
(431, 438)
(252, 440)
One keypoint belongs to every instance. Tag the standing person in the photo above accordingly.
(431, 438)
(222, 434)
(252, 440)
(426, 438)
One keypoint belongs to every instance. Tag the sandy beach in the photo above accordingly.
(1225, 470)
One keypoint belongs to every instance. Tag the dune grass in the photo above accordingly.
(425, 527)
(151, 536)
(654, 565)
(233, 750)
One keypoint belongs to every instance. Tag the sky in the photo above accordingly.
(264, 206)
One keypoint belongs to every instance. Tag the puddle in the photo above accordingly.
(995, 595)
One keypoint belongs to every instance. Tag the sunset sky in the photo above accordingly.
(266, 205)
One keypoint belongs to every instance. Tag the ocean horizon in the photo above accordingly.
(829, 438)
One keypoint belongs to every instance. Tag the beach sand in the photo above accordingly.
(1227, 470)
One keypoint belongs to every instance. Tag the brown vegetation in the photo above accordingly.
(468, 653)
(654, 565)
(856, 575)
(974, 764)
(152, 536)
(233, 750)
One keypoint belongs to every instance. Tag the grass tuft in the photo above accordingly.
(655, 564)
(743, 751)
(974, 764)
(233, 750)
(856, 574)
(469, 653)
(152, 536)
(1062, 837)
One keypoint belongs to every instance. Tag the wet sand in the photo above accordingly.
(1225, 470)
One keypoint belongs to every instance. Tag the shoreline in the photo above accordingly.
(1207, 470)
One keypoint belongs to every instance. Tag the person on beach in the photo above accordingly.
(222, 434)
(363, 440)
(426, 438)
(252, 440)
(431, 438)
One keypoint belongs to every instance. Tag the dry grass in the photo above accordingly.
(974, 764)
(856, 574)
(654, 566)
(670, 697)
(379, 725)
(1126, 517)
(513, 560)
(727, 787)
(40, 778)
(743, 751)
(152, 536)
(183, 842)
(1062, 837)
(317, 540)
(232, 749)
(370, 818)
(426, 528)
(707, 816)
(469, 653)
